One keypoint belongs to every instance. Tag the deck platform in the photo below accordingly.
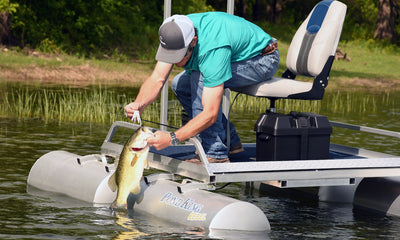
(343, 166)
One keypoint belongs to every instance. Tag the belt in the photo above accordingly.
(270, 48)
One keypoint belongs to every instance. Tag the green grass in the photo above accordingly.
(338, 102)
(62, 105)
(94, 105)
(368, 60)
(104, 106)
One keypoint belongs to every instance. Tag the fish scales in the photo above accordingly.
(129, 171)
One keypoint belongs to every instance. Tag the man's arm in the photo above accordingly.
(150, 89)
(211, 101)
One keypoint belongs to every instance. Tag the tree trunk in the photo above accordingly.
(273, 9)
(6, 36)
(387, 19)
(4, 28)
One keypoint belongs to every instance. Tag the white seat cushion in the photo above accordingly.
(276, 87)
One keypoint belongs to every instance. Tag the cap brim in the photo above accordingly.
(170, 56)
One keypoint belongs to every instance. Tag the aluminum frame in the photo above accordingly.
(304, 173)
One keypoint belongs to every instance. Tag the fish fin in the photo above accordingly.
(136, 189)
(116, 161)
(134, 160)
(146, 164)
(112, 182)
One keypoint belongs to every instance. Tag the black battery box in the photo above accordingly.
(293, 136)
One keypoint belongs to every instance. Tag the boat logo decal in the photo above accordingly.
(188, 204)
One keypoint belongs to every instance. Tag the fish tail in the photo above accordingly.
(115, 205)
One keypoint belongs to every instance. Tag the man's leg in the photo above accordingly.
(248, 72)
(189, 90)
(257, 69)
(252, 71)
(214, 137)
(181, 87)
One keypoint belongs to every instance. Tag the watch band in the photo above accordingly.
(174, 139)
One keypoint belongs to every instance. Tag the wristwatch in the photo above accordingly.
(174, 139)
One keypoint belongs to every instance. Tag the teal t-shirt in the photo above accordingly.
(222, 39)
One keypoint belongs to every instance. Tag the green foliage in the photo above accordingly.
(6, 6)
(79, 25)
(190, 6)
(94, 28)
(48, 46)
(360, 19)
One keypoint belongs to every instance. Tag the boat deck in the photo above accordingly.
(188, 151)
(343, 166)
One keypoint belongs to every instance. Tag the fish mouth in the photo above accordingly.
(137, 149)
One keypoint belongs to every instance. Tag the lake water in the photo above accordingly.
(41, 215)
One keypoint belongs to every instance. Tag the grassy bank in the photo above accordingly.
(43, 68)
(369, 66)
(372, 67)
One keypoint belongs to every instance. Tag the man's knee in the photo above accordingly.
(175, 84)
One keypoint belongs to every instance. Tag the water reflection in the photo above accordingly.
(130, 228)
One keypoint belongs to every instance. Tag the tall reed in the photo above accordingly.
(337, 102)
(101, 105)
(97, 105)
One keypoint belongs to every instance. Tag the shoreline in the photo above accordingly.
(53, 69)
(79, 76)
(86, 75)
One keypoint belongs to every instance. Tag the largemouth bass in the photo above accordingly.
(129, 171)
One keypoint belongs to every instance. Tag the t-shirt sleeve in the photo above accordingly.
(215, 66)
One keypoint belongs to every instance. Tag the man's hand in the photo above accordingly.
(160, 140)
(132, 111)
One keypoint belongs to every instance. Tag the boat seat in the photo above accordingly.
(311, 54)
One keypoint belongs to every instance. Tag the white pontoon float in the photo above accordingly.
(368, 179)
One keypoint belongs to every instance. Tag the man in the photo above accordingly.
(218, 51)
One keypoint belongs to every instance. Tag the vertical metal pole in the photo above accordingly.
(230, 7)
(164, 91)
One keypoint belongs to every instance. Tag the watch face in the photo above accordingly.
(174, 139)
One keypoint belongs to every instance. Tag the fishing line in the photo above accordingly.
(161, 124)
(144, 120)
(222, 187)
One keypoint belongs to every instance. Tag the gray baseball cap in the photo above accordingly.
(175, 34)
